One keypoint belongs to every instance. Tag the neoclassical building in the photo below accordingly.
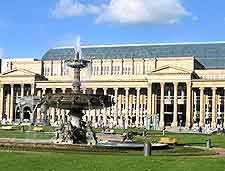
(151, 85)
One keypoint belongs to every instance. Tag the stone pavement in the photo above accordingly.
(109, 137)
(28, 141)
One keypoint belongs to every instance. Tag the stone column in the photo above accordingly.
(153, 105)
(38, 115)
(22, 90)
(126, 107)
(202, 107)
(53, 110)
(63, 115)
(161, 122)
(53, 90)
(39, 92)
(149, 106)
(116, 105)
(141, 110)
(11, 103)
(43, 91)
(1, 99)
(130, 106)
(88, 112)
(105, 109)
(94, 118)
(214, 111)
(39, 109)
(63, 90)
(58, 114)
(32, 89)
(84, 90)
(174, 124)
(188, 106)
(8, 105)
(120, 114)
(43, 115)
(63, 111)
(195, 103)
(138, 107)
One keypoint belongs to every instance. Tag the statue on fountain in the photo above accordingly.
(76, 130)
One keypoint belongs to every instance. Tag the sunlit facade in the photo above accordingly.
(152, 85)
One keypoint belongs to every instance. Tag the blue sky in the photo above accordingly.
(28, 28)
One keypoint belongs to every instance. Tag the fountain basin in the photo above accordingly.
(134, 146)
(78, 101)
(36, 145)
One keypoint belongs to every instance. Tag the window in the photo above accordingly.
(65, 69)
(116, 70)
(95, 70)
(56, 69)
(147, 68)
(137, 69)
(105, 70)
(126, 70)
(46, 71)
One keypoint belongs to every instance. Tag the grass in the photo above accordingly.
(49, 161)
(182, 139)
(179, 158)
(174, 151)
(27, 133)
(187, 139)
(24, 135)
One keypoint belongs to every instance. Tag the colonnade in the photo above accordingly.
(209, 106)
(171, 103)
(8, 95)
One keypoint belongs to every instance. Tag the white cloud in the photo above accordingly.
(125, 11)
(65, 8)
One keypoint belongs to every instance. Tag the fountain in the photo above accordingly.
(76, 131)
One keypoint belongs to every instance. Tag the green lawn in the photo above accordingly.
(24, 135)
(48, 161)
(187, 139)
(182, 139)
(179, 158)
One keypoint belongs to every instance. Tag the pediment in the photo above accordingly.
(170, 70)
(18, 72)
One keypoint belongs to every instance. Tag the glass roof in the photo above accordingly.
(211, 55)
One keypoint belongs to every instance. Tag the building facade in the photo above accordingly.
(165, 90)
